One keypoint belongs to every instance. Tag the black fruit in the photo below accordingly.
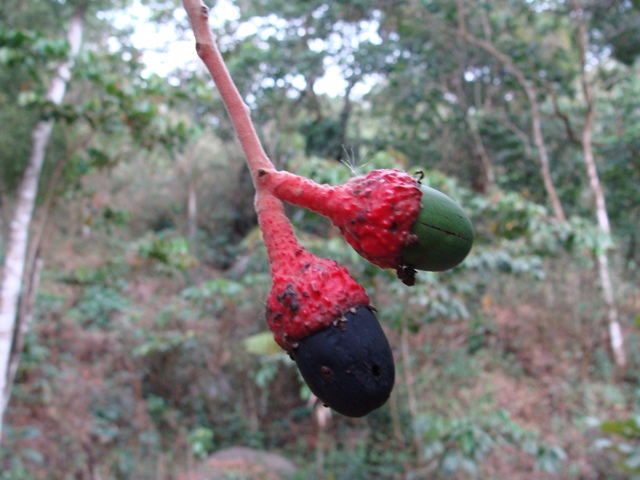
(348, 366)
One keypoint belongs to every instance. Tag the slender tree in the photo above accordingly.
(600, 207)
(18, 238)
(536, 121)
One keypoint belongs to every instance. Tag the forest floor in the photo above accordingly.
(118, 353)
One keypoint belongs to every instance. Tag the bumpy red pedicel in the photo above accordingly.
(374, 212)
(308, 293)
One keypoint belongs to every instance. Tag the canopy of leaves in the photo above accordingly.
(149, 350)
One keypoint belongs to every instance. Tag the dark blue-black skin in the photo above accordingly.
(348, 366)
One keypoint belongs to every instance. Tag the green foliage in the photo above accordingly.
(358, 462)
(514, 235)
(463, 443)
(17, 463)
(130, 104)
(164, 342)
(30, 50)
(201, 440)
(168, 251)
(112, 103)
(145, 352)
(16, 473)
(434, 299)
(479, 332)
(261, 344)
(624, 442)
(213, 296)
(324, 139)
(98, 307)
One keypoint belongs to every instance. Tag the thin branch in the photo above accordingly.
(486, 25)
(277, 231)
(517, 131)
(529, 90)
(571, 136)
(238, 111)
(488, 180)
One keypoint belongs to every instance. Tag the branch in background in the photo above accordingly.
(486, 25)
(571, 136)
(33, 268)
(488, 178)
(25, 315)
(524, 138)
(529, 90)
(345, 112)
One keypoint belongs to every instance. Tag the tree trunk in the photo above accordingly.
(616, 337)
(18, 238)
(530, 92)
(31, 278)
(488, 176)
(25, 318)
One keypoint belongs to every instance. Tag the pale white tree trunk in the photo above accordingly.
(190, 170)
(18, 238)
(192, 208)
(616, 337)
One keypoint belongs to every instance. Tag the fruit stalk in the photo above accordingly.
(316, 311)
(238, 110)
(374, 212)
(387, 216)
(308, 293)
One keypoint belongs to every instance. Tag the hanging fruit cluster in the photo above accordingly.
(317, 312)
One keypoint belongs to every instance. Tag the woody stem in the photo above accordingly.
(276, 228)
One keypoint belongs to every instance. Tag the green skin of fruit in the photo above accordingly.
(444, 231)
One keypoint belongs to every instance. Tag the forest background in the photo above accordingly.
(132, 330)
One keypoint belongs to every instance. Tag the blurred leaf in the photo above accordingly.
(261, 343)
(628, 428)
(201, 441)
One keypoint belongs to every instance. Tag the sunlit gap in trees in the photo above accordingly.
(165, 48)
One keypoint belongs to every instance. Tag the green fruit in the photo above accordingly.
(444, 232)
